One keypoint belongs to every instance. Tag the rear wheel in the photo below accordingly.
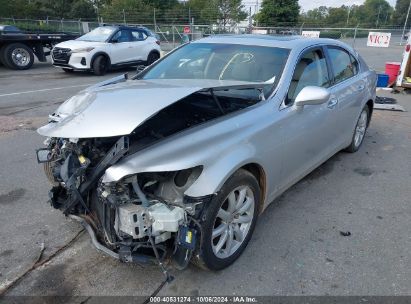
(359, 131)
(230, 221)
(18, 56)
(100, 66)
(152, 57)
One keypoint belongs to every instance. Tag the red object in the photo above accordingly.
(392, 69)
(407, 48)
(187, 30)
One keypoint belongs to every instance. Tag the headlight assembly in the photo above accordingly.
(83, 50)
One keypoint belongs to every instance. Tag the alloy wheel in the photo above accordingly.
(233, 222)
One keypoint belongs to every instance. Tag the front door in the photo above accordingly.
(308, 131)
(121, 47)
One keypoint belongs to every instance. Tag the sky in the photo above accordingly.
(310, 4)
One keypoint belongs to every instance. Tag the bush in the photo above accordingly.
(330, 34)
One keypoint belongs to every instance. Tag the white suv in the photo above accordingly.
(107, 47)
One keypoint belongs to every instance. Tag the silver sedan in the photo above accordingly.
(183, 157)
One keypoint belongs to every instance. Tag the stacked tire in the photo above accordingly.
(16, 56)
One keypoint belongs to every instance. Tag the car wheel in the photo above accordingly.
(359, 131)
(2, 56)
(68, 70)
(100, 66)
(229, 221)
(18, 56)
(152, 57)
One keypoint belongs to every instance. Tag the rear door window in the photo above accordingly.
(342, 64)
(138, 35)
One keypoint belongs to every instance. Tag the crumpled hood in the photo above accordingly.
(117, 109)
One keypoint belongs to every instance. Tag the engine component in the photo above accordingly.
(132, 220)
(187, 237)
(135, 220)
(165, 218)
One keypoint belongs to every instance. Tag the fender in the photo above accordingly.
(213, 177)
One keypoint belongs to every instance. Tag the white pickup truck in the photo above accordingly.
(107, 47)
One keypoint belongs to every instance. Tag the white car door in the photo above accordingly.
(141, 45)
(121, 48)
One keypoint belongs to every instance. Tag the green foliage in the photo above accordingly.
(400, 14)
(373, 13)
(278, 12)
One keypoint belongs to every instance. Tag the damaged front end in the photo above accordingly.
(139, 219)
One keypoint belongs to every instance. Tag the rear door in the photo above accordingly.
(349, 90)
(141, 45)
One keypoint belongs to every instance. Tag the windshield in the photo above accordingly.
(218, 61)
(100, 34)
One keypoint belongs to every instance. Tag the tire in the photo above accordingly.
(1, 55)
(216, 256)
(100, 65)
(68, 70)
(359, 131)
(18, 56)
(152, 57)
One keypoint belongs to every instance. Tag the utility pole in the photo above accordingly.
(250, 22)
(348, 17)
(378, 17)
(405, 23)
(189, 15)
(154, 20)
(124, 17)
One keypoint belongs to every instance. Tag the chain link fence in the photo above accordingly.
(173, 35)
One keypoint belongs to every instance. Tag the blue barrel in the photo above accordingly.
(382, 80)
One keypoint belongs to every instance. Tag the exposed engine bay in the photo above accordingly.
(144, 216)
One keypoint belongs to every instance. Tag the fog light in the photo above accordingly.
(83, 61)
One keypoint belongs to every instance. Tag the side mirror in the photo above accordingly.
(312, 95)
(114, 40)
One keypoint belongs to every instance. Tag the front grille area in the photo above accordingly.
(61, 55)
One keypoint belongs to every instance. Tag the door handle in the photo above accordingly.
(332, 103)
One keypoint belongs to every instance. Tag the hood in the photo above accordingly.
(117, 109)
(78, 44)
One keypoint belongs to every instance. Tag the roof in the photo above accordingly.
(268, 40)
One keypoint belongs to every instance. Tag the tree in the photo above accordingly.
(274, 12)
(400, 14)
(230, 12)
(376, 12)
(82, 9)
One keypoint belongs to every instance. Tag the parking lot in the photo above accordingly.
(296, 249)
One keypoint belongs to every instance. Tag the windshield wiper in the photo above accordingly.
(216, 101)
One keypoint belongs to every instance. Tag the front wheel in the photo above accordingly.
(359, 131)
(229, 221)
(100, 66)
